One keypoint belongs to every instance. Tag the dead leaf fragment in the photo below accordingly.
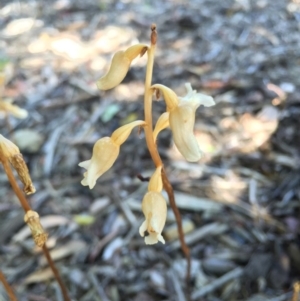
(39, 276)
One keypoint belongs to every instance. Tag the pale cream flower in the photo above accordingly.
(105, 153)
(154, 207)
(182, 118)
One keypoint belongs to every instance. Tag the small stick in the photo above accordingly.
(8, 288)
(216, 284)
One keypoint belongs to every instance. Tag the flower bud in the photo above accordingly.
(32, 219)
(120, 135)
(119, 66)
(105, 153)
(154, 208)
(161, 124)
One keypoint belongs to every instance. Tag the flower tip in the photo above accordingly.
(206, 100)
(154, 238)
(193, 157)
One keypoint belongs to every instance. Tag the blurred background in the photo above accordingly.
(239, 203)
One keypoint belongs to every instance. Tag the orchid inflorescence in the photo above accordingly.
(179, 116)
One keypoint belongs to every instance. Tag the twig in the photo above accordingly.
(97, 286)
(8, 288)
(207, 230)
(236, 273)
(177, 286)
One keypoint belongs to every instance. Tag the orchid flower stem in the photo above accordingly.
(26, 208)
(153, 148)
(8, 288)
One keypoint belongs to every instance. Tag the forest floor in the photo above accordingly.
(239, 203)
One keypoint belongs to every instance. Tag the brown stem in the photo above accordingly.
(26, 208)
(185, 249)
(15, 186)
(8, 288)
(56, 273)
(153, 148)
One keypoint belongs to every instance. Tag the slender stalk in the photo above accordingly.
(185, 249)
(153, 148)
(56, 273)
(148, 101)
(27, 207)
(8, 288)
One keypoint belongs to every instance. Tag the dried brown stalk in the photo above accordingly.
(8, 288)
(36, 231)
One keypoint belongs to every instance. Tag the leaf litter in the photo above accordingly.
(240, 203)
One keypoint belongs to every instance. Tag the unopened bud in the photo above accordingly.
(32, 219)
(119, 66)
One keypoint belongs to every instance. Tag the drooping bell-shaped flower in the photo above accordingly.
(119, 66)
(105, 153)
(154, 207)
(182, 118)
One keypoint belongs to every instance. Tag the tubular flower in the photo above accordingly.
(105, 153)
(182, 118)
(119, 66)
(154, 207)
